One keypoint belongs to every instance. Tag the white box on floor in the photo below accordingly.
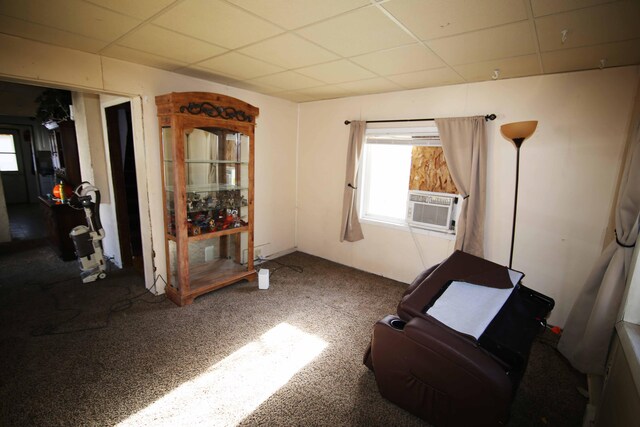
(263, 279)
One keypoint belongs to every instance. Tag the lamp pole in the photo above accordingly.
(517, 132)
(518, 143)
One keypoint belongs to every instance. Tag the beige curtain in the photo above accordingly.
(589, 328)
(465, 150)
(351, 230)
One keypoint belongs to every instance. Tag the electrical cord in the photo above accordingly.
(282, 265)
(415, 242)
(116, 307)
(47, 286)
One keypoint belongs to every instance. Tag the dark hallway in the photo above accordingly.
(25, 222)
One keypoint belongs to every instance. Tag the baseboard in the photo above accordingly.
(279, 254)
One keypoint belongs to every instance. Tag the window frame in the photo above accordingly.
(15, 153)
(431, 132)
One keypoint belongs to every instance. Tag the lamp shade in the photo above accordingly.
(519, 131)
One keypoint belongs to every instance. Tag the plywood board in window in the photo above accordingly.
(429, 171)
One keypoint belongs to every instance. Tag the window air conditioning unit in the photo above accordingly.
(432, 211)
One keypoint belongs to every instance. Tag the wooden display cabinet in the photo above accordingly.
(208, 173)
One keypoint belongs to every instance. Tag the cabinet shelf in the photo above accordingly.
(212, 234)
(203, 188)
(206, 278)
(215, 273)
(206, 209)
(212, 162)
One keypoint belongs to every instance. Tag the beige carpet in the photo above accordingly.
(107, 353)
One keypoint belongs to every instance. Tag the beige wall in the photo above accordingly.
(568, 175)
(91, 145)
(275, 174)
(92, 149)
(568, 167)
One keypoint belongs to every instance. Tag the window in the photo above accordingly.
(8, 157)
(396, 161)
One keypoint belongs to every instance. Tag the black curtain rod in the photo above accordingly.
(346, 122)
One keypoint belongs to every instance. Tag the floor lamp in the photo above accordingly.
(517, 132)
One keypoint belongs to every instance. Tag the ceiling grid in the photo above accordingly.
(305, 50)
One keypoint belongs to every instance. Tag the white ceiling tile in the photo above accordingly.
(402, 59)
(289, 51)
(376, 85)
(294, 96)
(240, 66)
(73, 16)
(162, 42)
(362, 31)
(336, 48)
(257, 87)
(288, 80)
(585, 58)
(520, 66)
(499, 42)
(216, 22)
(337, 72)
(144, 58)
(547, 7)
(205, 74)
(427, 78)
(294, 14)
(325, 92)
(141, 9)
(601, 24)
(440, 18)
(41, 33)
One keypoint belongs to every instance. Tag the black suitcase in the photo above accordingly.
(511, 333)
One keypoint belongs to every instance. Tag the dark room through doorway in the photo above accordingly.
(124, 181)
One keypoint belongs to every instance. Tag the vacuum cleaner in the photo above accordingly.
(87, 238)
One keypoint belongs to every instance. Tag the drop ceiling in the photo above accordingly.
(305, 50)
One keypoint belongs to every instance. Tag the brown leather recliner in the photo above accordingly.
(446, 377)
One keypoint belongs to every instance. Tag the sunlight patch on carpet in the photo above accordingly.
(233, 388)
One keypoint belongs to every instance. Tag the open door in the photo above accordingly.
(125, 189)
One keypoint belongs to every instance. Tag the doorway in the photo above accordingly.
(18, 177)
(13, 167)
(18, 111)
(124, 181)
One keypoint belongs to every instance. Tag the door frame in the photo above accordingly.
(117, 183)
(144, 205)
(141, 177)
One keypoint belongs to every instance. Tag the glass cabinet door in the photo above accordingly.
(217, 180)
(216, 174)
(168, 170)
(167, 151)
(213, 259)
